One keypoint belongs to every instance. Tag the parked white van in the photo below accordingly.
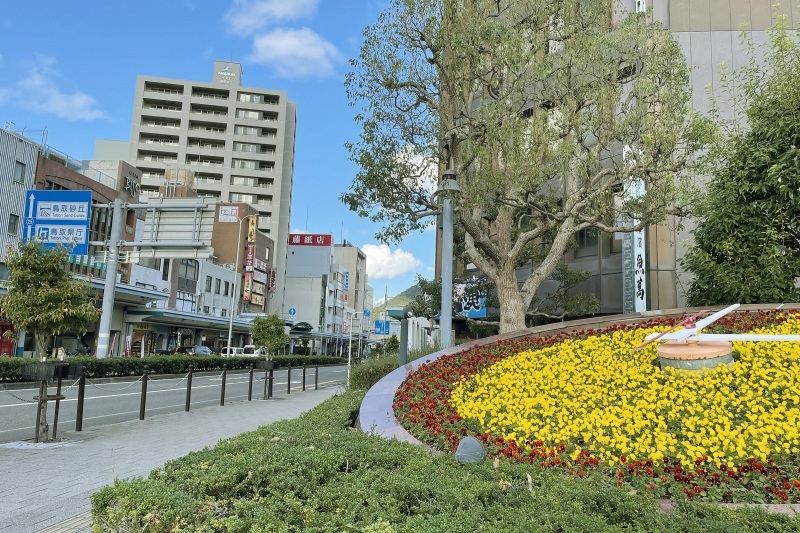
(250, 350)
(233, 351)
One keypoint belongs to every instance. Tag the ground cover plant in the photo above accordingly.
(315, 473)
(584, 402)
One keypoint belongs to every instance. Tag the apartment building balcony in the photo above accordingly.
(158, 141)
(208, 94)
(155, 124)
(157, 106)
(153, 87)
(212, 130)
(209, 111)
(205, 161)
(159, 157)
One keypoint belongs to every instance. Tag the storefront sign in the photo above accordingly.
(252, 226)
(247, 287)
(310, 239)
(228, 213)
(257, 299)
(260, 265)
(259, 288)
(261, 277)
(272, 280)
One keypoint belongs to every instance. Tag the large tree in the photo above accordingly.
(43, 299)
(532, 103)
(747, 244)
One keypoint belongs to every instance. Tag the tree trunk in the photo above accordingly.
(512, 303)
(41, 354)
(44, 427)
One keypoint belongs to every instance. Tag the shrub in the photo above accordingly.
(313, 473)
(162, 364)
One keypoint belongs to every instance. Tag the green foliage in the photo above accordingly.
(10, 368)
(42, 298)
(314, 473)
(392, 345)
(169, 364)
(530, 103)
(371, 371)
(747, 244)
(269, 332)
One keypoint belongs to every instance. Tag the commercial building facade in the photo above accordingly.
(238, 141)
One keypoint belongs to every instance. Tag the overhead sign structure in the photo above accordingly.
(59, 218)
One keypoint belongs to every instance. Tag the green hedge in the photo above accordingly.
(314, 473)
(162, 364)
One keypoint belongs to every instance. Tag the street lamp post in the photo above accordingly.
(446, 190)
(235, 278)
(350, 341)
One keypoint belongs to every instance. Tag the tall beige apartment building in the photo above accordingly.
(239, 142)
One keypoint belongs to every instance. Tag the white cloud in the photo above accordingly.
(295, 53)
(248, 16)
(383, 263)
(38, 91)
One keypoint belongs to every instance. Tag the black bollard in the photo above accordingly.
(81, 394)
(189, 389)
(222, 391)
(250, 386)
(143, 401)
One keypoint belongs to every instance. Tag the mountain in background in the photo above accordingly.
(402, 299)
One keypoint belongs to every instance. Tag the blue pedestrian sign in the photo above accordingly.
(292, 311)
(59, 217)
(367, 312)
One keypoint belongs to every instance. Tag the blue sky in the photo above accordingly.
(70, 68)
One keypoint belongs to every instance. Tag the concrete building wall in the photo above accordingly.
(238, 140)
(18, 157)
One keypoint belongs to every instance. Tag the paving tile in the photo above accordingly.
(36, 495)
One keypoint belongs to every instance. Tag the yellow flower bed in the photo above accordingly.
(600, 396)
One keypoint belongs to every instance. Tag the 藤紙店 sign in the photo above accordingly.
(59, 218)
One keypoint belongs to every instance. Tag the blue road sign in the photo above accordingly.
(59, 217)
(292, 311)
(367, 312)
(381, 327)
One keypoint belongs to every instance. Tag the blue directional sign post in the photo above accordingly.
(59, 217)
(292, 311)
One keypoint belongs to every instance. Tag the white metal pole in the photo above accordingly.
(235, 279)
(110, 285)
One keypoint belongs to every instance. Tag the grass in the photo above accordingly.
(314, 473)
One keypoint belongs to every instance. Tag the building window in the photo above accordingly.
(19, 172)
(13, 224)
(227, 288)
(224, 312)
(587, 242)
(206, 309)
(150, 262)
(165, 270)
(188, 269)
(217, 286)
(208, 283)
(184, 301)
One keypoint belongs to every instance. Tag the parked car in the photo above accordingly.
(233, 351)
(250, 350)
(194, 350)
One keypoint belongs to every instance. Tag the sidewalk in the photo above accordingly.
(44, 485)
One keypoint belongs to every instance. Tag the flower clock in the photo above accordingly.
(589, 401)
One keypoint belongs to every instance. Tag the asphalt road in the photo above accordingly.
(119, 400)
